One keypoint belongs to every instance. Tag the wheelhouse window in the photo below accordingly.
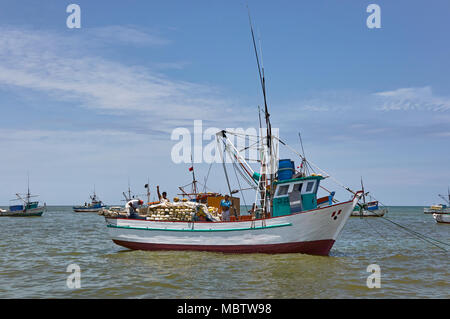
(283, 190)
(309, 187)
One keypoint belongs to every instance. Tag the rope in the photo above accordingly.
(419, 235)
(207, 176)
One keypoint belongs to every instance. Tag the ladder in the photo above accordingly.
(261, 191)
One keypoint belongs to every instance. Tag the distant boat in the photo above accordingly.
(94, 206)
(369, 209)
(440, 212)
(27, 209)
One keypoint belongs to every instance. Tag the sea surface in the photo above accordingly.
(35, 254)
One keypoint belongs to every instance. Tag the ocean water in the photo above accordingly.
(35, 253)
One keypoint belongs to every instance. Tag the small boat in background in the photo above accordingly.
(27, 209)
(440, 212)
(368, 209)
(94, 206)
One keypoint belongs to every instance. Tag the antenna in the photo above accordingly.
(263, 85)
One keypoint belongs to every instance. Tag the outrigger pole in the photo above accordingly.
(223, 135)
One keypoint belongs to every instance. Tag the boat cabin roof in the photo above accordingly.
(299, 179)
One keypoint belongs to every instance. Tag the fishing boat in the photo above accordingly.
(440, 212)
(285, 215)
(368, 209)
(94, 206)
(27, 209)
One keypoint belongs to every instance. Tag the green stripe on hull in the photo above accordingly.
(201, 230)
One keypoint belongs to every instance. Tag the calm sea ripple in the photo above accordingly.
(35, 254)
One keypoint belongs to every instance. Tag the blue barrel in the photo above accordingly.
(286, 169)
(16, 208)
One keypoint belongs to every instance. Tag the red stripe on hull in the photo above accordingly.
(317, 247)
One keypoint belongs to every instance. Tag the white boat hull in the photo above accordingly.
(33, 212)
(369, 213)
(442, 218)
(87, 210)
(311, 232)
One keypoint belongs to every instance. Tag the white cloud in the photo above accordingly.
(50, 63)
(127, 35)
(413, 99)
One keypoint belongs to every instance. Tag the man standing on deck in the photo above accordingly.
(163, 198)
(132, 206)
(225, 205)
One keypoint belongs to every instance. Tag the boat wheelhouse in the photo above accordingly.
(296, 195)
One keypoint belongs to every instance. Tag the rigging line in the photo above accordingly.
(393, 227)
(419, 235)
(242, 165)
(243, 134)
(249, 188)
(373, 228)
(226, 174)
(249, 147)
(240, 188)
(309, 163)
(244, 176)
(207, 176)
(328, 175)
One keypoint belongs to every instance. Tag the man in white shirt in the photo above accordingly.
(132, 206)
(162, 198)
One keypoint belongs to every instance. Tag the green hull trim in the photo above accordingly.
(200, 230)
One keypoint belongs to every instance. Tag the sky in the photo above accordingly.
(95, 107)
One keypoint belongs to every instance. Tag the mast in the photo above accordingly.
(266, 111)
(194, 182)
(364, 194)
(304, 162)
(148, 190)
(28, 182)
(444, 197)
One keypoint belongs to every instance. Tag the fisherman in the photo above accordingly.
(225, 205)
(163, 198)
(132, 206)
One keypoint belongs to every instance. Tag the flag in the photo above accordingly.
(191, 168)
